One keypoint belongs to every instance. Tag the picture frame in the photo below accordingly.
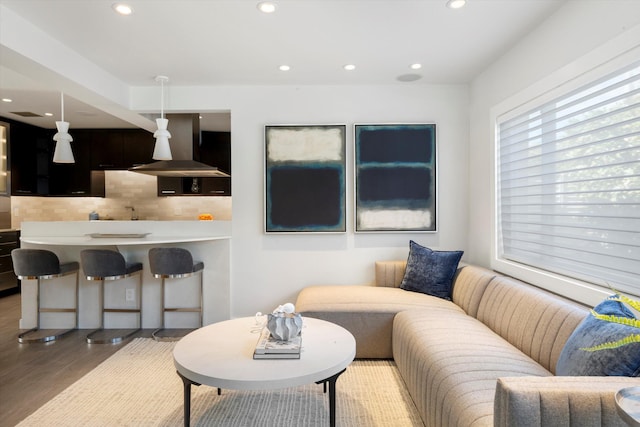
(395, 178)
(305, 167)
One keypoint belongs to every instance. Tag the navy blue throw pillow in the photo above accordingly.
(621, 361)
(430, 272)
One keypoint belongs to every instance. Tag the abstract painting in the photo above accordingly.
(395, 176)
(305, 178)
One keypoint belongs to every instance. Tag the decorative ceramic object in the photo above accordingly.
(284, 323)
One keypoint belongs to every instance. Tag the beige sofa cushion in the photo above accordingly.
(469, 285)
(559, 401)
(366, 311)
(534, 321)
(450, 363)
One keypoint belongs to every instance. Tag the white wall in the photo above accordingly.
(553, 49)
(268, 270)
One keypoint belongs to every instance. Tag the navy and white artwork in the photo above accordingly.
(395, 168)
(305, 178)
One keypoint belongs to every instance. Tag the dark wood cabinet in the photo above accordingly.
(120, 149)
(28, 159)
(33, 173)
(9, 283)
(74, 179)
(204, 186)
(137, 147)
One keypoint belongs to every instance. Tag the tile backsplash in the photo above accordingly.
(122, 188)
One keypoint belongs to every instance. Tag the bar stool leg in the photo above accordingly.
(155, 334)
(23, 339)
(115, 340)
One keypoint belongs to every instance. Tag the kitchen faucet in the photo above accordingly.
(134, 215)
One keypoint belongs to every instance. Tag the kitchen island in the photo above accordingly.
(208, 241)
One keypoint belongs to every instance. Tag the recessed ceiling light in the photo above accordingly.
(7, 100)
(122, 9)
(456, 4)
(284, 68)
(48, 114)
(349, 67)
(266, 7)
(415, 66)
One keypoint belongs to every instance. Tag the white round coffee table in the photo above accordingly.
(221, 355)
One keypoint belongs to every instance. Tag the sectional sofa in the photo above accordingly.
(487, 357)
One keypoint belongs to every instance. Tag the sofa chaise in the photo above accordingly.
(487, 357)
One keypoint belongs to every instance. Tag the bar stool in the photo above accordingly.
(173, 263)
(103, 265)
(42, 264)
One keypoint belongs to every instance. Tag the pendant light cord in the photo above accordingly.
(62, 105)
(162, 99)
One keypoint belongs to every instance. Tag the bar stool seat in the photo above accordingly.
(41, 264)
(173, 263)
(103, 265)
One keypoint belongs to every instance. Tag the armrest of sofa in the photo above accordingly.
(547, 401)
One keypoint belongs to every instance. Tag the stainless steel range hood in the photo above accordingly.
(179, 168)
(185, 143)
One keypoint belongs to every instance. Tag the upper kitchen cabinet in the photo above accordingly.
(76, 179)
(29, 159)
(33, 173)
(4, 159)
(120, 149)
(215, 149)
(137, 147)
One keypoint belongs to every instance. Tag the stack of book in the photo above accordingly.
(270, 348)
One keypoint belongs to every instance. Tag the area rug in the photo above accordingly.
(138, 386)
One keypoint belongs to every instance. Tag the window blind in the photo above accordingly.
(568, 183)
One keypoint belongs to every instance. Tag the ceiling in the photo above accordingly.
(230, 42)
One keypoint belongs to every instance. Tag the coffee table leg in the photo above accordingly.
(332, 396)
(187, 399)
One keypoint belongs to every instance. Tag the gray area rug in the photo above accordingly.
(138, 386)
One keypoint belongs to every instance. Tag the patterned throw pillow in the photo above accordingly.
(624, 360)
(430, 272)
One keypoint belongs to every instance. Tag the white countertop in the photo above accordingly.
(86, 240)
(78, 233)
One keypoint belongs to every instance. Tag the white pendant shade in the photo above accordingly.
(63, 153)
(162, 150)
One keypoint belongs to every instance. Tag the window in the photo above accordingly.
(568, 184)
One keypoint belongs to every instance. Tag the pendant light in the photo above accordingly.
(162, 150)
(63, 153)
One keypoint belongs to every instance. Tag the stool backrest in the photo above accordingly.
(170, 261)
(103, 263)
(34, 262)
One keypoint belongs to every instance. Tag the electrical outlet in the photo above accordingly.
(130, 295)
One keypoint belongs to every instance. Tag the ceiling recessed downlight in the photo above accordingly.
(456, 4)
(284, 67)
(7, 100)
(267, 7)
(349, 67)
(122, 8)
(415, 66)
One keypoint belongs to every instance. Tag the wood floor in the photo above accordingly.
(32, 374)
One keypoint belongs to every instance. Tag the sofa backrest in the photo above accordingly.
(469, 285)
(390, 273)
(536, 322)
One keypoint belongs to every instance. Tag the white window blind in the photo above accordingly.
(569, 183)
